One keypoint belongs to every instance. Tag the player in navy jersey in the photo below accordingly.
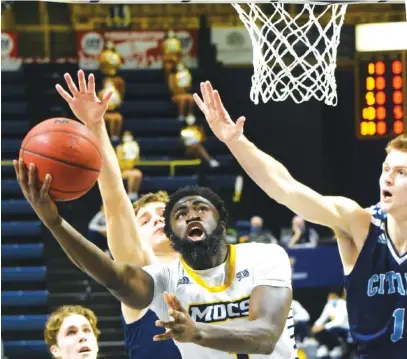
(135, 235)
(372, 242)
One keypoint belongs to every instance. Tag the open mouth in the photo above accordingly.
(84, 350)
(195, 231)
(386, 194)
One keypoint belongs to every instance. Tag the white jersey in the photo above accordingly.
(223, 293)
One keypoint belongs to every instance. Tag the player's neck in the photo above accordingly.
(210, 261)
(397, 230)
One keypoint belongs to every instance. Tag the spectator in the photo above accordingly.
(128, 154)
(193, 137)
(110, 61)
(300, 235)
(171, 49)
(180, 83)
(97, 229)
(258, 233)
(332, 328)
(301, 321)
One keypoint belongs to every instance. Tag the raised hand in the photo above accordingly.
(84, 102)
(180, 327)
(39, 199)
(218, 118)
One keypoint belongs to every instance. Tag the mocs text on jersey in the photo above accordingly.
(217, 312)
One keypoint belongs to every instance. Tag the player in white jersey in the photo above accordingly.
(212, 281)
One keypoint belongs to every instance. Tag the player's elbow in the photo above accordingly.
(267, 341)
(266, 348)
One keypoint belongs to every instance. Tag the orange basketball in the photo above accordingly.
(68, 151)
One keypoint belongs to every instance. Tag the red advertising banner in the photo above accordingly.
(138, 49)
(9, 51)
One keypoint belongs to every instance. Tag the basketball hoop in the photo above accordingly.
(294, 56)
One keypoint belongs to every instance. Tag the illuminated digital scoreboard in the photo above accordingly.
(382, 94)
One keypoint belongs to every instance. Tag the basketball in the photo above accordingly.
(68, 151)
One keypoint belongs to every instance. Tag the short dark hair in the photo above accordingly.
(187, 191)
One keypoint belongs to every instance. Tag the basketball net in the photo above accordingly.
(293, 56)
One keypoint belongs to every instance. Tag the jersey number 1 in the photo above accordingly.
(398, 315)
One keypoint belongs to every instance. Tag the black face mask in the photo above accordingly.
(198, 254)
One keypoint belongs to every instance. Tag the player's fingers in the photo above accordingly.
(32, 181)
(106, 98)
(45, 187)
(81, 81)
(219, 108)
(22, 172)
(15, 165)
(71, 84)
(209, 91)
(177, 304)
(205, 95)
(162, 324)
(165, 336)
(91, 84)
(200, 104)
(177, 315)
(240, 123)
(65, 95)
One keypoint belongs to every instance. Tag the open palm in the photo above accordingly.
(84, 102)
(218, 118)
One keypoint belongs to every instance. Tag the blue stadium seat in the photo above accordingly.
(156, 108)
(23, 322)
(6, 171)
(10, 147)
(16, 206)
(16, 128)
(147, 90)
(26, 349)
(10, 186)
(152, 126)
(23, 274)
(13, 108)
(169, 183)
(11, 77)
(22, 251)
(21, 228)
(12, 91)
(167, 143)
(158, 90)
(23, 298)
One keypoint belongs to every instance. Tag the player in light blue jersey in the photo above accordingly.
(372, 242)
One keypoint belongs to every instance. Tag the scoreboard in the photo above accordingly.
(381, 90)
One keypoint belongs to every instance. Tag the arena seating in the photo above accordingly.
(24, 295)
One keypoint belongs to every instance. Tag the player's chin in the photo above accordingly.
(385, 204)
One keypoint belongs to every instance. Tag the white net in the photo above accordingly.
(293, 55)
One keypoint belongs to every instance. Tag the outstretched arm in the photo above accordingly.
(124, 241)
(129, 284)
(341, 214)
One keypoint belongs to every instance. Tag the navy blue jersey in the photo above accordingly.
(138, 340)
(377, 295)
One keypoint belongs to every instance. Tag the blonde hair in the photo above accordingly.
(160, 196)
(399, 143)
(57, 317)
